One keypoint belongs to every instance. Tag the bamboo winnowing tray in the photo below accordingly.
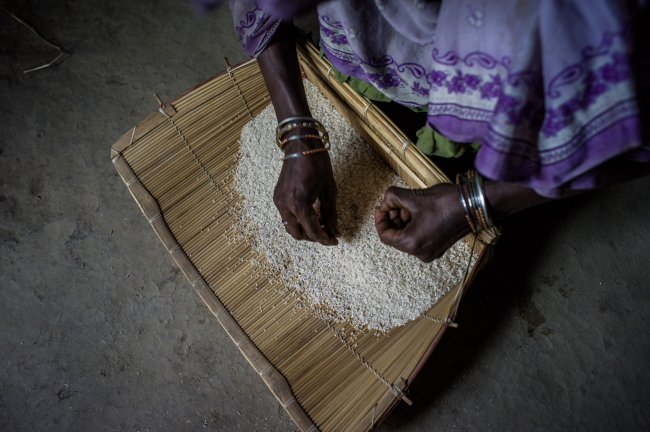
(178, 164)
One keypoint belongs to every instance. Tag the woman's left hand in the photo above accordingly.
(421, 222)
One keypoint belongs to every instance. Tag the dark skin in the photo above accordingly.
(421, 222)
(306, 178)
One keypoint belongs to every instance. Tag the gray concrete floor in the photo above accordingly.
(100, 330)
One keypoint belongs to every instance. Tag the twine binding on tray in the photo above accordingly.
(133, 134)
(447, 321)
(289, 402)
(153, 219)
(365, 110)
(187, 144)
(406, 143)
(459, 294)
(372, 423)
(242, 341)
(232, 77)
(399, 394)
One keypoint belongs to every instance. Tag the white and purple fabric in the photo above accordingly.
(545, 86)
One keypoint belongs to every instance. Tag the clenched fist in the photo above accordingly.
(421, 222)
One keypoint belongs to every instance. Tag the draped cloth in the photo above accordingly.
(546, 87)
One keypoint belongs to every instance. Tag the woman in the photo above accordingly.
(546, 88)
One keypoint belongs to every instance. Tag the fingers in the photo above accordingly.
(394, 199)
(292, 226)
(405, 215)
(310, 223)
(396, 205)
(393, 227)
(388, 232)
(305, 226)
(396, 218)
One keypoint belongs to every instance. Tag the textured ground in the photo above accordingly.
(100, 331)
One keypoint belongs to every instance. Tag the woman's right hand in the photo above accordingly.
(303, 180)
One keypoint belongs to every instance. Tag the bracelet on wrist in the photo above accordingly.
(293, 123)
(472, 199)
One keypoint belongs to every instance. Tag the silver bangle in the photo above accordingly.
(482, 200)
(474, 202)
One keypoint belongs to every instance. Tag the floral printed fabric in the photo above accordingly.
(545, 86)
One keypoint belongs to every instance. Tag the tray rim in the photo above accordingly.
(276, 382)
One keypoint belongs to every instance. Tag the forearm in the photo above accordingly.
(279, 65)
(506, 199)
(307, 178)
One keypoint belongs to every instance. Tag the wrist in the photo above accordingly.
(301, 134)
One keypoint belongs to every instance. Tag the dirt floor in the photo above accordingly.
(100, 330)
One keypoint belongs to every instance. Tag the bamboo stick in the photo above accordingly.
(198, 227)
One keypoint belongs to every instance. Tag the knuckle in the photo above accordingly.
(395, 190)
(279, 202)
(294, 208)
(411, 245)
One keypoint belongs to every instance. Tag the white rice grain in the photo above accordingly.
(360, 280)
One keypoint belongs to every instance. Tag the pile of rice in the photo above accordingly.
(361, 280)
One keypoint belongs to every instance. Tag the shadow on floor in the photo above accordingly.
(503, 285)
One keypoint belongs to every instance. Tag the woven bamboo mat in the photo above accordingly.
(178, 164)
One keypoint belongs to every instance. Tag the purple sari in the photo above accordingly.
(545, 86)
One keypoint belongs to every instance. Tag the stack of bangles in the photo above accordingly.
(292, 123)
(472, 197)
